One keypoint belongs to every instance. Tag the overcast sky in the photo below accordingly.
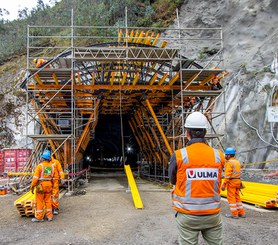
(14, 5)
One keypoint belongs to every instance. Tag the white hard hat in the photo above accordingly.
(196, 120)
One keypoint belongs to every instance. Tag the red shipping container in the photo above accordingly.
(10, 153)
(22, 161)
(1, 158)
(20, 168)
(10, 165)
(15, 159)
(23, 152)
(9, 169)
(10, 162)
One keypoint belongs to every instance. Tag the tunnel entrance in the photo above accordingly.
(105, 150)
(79, 95)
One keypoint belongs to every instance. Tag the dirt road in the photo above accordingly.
(106, 215)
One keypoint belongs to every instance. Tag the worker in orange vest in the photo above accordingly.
(195, 171)
(43, 182)
(233, 184)
(55, 190)
(40, 62)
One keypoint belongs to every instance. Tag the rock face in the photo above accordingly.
(250, 34)
(12, 101)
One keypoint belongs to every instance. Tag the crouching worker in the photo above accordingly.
(42, 181)
(40, 62)
(59, 174)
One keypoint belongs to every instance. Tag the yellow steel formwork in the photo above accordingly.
(130, 72)
(260, 194)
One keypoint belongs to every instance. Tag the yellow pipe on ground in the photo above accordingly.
(261, 194)
(133, 187)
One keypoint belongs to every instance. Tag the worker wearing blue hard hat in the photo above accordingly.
(43, 182)
(230, 151)
(233, 184)
(46, 155)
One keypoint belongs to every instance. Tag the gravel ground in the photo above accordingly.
(106, 215)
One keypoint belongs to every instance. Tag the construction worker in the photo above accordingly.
(55, 190)
(233, 184)
(192, 102)
(40, 62)
(195, 170)
(215, 84)
(42, 181)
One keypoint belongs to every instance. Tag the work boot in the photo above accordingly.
(242, 216)
(49, 219)
(231, 216)
(37, 220)
(55, 211)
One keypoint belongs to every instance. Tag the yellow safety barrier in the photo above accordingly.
(26, 204)
(133, 187)
(19, 173)
(260, 194)
(24, 173)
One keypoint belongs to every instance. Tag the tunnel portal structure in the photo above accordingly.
(142, 76)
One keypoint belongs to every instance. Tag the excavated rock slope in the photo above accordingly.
(250, 37)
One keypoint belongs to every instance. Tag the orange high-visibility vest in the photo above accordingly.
(197, 189)
(232, 169)
(44, 173)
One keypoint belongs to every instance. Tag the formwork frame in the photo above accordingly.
(124, 70)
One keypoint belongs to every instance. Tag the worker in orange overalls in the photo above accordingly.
(196, 173)
(40, 62)
(42, 181)
(233, 184)
(55, 190)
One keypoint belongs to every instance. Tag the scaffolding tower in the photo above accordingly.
(155, 78)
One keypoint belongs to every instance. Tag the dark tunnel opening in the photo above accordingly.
(105, 149)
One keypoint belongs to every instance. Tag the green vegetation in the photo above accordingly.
(152, 13)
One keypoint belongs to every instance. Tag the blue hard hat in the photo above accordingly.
(230, 151)
(46, 155)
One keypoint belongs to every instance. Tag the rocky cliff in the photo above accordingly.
(250, 37)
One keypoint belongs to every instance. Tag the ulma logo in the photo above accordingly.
(202, 173)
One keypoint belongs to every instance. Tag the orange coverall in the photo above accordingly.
(40, 62)
(233, 183)
(43, 176)
(55, 190)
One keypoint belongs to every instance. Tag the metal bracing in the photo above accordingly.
(97, 70)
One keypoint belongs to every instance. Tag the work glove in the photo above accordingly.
(223, 187)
